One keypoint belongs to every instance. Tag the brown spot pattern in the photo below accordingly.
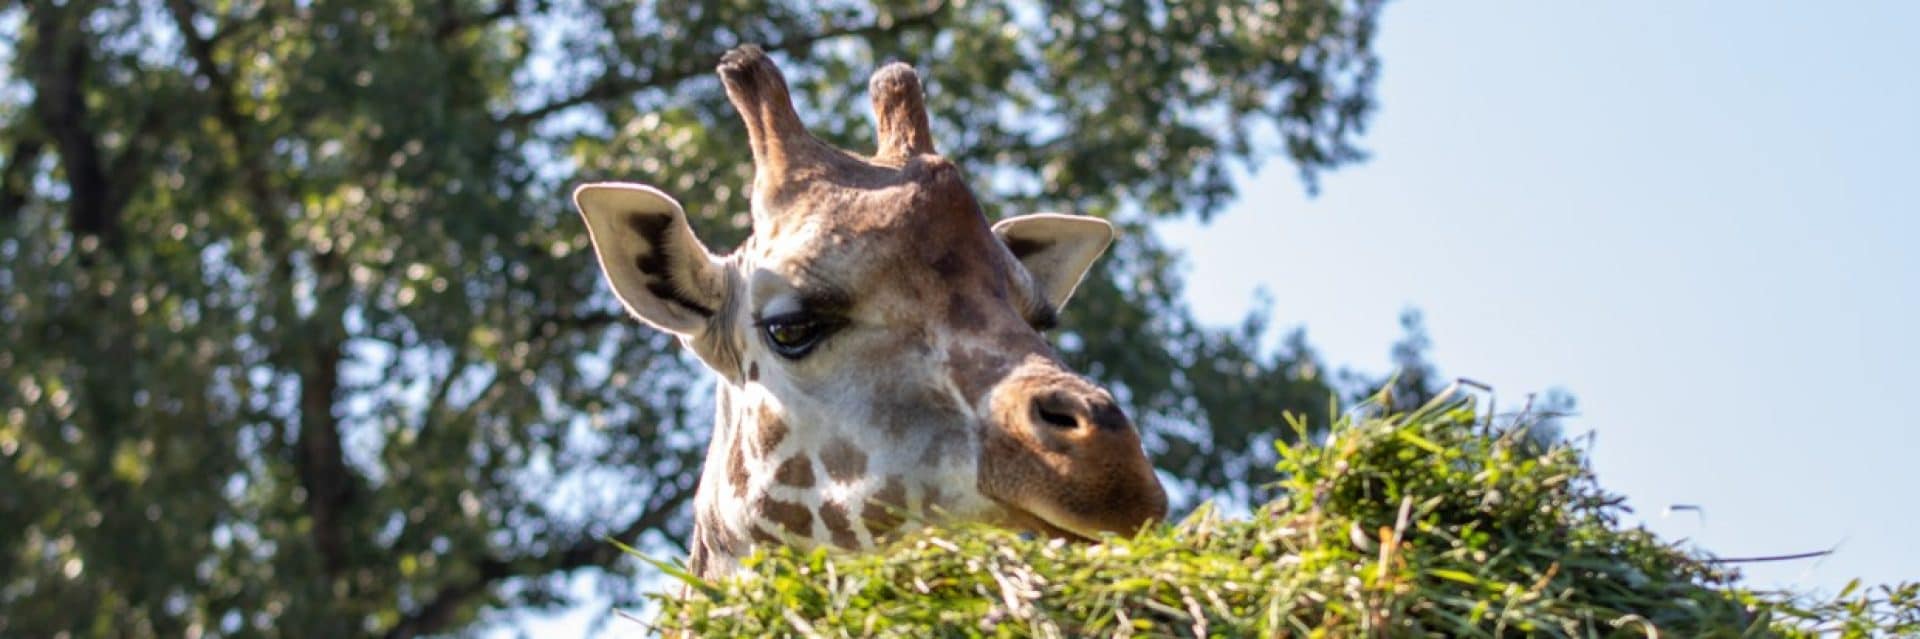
(706, 542)
(883, 512)
(844, 461)
(710, 526)
(773, 430)
(834, 515)
(796, 518)
(697, 556)
(711, 539)
(796, 471)
(737, 469)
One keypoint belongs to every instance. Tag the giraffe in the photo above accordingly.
(878, 345)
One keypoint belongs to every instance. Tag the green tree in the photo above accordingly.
(298, 334)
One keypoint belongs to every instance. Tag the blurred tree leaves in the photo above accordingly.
(298, 334)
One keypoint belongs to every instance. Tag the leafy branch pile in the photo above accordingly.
(1425, 523)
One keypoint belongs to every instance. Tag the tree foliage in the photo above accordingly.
(298, 333)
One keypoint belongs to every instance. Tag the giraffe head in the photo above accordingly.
(879, 343)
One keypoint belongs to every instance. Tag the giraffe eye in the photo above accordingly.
(793, 336)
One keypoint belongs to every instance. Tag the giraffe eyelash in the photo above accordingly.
(795, 335)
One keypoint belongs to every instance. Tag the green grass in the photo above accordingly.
(1427, 523)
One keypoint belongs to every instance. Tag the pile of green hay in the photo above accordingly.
(1428, 523)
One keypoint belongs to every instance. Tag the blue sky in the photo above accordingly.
(1696, 217)
(1699, 218)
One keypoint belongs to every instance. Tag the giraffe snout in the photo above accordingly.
(1065, 454)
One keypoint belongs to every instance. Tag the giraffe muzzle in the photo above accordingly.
(1065, 457)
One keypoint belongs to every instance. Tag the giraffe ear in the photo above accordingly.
(1056, 249)
(658, 269)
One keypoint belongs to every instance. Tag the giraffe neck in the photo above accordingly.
(768, 483)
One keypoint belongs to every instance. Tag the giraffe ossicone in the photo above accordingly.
(878, 343)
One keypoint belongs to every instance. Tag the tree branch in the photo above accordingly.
(61, 59)
(227, 112)
(320, 460)
(437, 401)
(452, 23)
(588, 550)
(16, 180)
(201, 50)
(612, 85)
(134, 162)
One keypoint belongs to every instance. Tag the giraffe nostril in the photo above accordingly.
(1056, 418)
(1057, 410)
